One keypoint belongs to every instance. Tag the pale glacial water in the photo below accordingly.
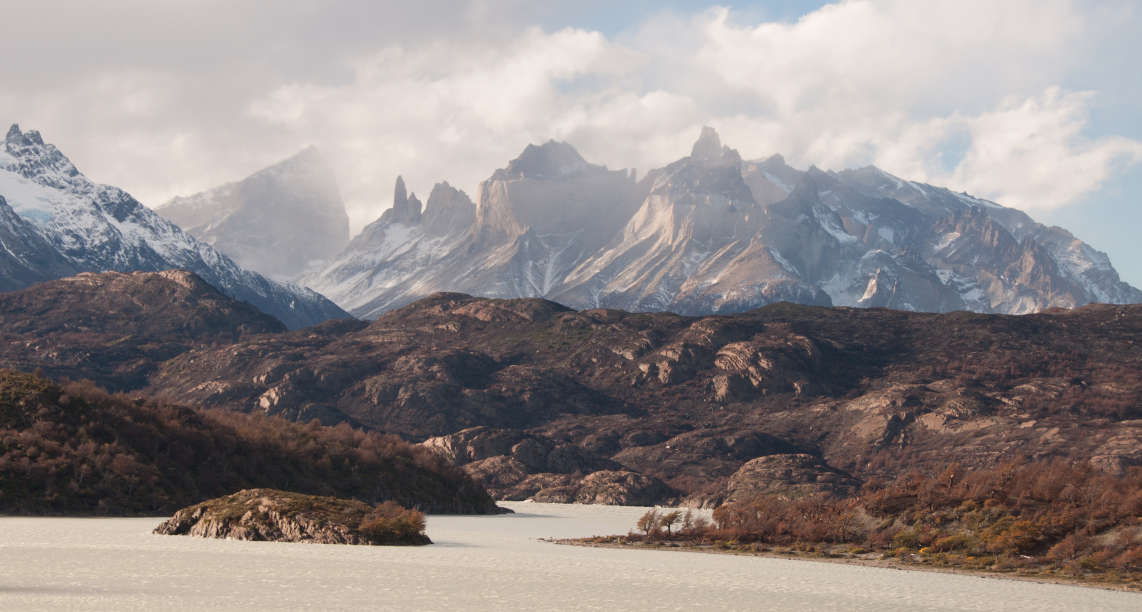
(477, 563)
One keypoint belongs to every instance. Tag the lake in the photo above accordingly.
(480, 563)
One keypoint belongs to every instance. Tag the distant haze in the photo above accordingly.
(1029, 103)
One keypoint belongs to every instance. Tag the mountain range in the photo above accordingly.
(713, 233)
(708, 233)
(54, 222)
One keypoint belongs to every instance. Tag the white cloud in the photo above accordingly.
(964, 93)
(1031, 153)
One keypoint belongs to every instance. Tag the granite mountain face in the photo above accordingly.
(712, 233)
(536, 220)
(55, 221)
(277, 221)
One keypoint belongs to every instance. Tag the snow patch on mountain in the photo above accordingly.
(100, 228)
(712, 233)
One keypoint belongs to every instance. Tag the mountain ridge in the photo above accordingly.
(712, 233)
(84, 226)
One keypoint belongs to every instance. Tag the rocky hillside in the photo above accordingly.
(114, 328)
(277, 221)
(61, 222)
(73, 449)
(537, 400)
(713, 233)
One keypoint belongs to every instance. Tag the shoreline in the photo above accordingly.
(878, 563)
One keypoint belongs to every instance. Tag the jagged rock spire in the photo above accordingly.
(406, 208)
(31, 137)
(400, 194)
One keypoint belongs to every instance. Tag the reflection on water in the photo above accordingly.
(490, 563)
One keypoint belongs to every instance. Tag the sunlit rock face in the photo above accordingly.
(712, 233)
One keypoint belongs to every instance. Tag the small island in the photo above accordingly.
(283, 516)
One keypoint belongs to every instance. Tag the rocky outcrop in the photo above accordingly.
(281, 516)
(619, 487)
(516, 465)
(790, 475)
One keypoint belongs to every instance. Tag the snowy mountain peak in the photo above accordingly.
(29, 138)
(28, 156)
(15, 136)
(71, 222)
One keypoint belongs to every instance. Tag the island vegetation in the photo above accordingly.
(1045, 519)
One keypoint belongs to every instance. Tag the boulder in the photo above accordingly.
(791, 475)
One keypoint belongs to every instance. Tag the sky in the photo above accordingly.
(1034, 104)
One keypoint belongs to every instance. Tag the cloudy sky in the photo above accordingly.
(1036, 104)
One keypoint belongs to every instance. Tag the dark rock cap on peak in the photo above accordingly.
(551, 159)
(31, 137)
(708, 145)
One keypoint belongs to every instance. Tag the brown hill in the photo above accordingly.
(114, 327)
(559, 395)
(537, 400)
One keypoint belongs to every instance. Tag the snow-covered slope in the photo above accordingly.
(26, 257)
(278, 221)
(400, 256)
(98, 228)
(536, 219)
(714, 233)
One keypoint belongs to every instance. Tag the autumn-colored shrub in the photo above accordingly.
(1053, 514)
(74, 448)
(391, 523)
